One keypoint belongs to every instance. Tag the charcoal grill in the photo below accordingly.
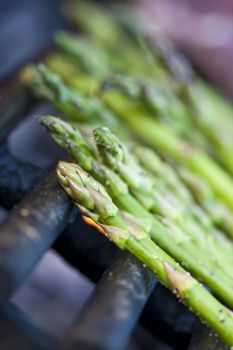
(40, 216)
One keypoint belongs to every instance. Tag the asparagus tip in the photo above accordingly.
(47, 120)
(85, 190)
(106, 141)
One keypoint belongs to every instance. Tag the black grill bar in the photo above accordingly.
(112, 312)
(163, 316)
(18, 333)
(30, 230)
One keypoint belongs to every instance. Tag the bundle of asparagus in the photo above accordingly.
(129, 225)
(81, 106)
(169, 204)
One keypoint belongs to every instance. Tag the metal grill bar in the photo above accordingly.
(114, 308)
(30, 230)
(163, 316)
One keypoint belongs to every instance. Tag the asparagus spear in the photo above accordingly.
(171, 240)
(94, 203)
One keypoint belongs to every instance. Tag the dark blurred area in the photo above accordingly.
(26, 28)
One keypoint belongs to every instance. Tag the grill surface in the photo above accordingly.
(42, 219)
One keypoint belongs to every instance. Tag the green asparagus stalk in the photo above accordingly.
(94, 203)
(175, 243)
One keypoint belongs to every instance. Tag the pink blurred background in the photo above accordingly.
(201, 28)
